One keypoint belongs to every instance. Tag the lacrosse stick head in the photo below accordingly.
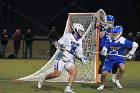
(101, 16)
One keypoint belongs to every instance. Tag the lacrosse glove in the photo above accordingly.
(129, 55)
(83, 60)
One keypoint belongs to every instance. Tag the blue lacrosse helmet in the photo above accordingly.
(110, 18)
(116, 32)
(117, 29)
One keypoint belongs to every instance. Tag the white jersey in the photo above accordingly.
(73, 45)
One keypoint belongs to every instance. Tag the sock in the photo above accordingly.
(99, 76)
(113, 75)
(117, 81)
(68, 86)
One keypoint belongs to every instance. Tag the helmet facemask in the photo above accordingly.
(78, 29)
(116, 32)
(116, 35)
(110, 24)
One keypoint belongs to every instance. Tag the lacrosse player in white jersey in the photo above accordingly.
(114, 52)
(70, 45)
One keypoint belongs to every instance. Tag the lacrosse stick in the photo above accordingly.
(112, 54)
(101, 16)
(117, 55)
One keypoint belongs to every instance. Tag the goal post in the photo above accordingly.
(90, 42)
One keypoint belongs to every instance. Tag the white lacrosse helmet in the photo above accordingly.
(116, 32)
(78, 29)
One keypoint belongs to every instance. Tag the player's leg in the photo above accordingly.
(71, 68)
(58, 67)
(56, 73)
(103, 78)
(102, 59)
(120, 74)
(114, 71)
(106, 69)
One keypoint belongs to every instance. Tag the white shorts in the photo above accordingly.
(60, 65)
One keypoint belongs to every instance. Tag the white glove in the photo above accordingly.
(104, 51)
(62, 47)
(56, 44)
(129, 55)
(84, 60)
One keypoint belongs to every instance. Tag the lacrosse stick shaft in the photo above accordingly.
(111, 54)
(116, 55)
(74, 55)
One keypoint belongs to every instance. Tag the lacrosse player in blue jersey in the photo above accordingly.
(114, 52)
(104, 37)
(70, 44)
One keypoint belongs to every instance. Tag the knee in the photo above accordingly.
(104, 73)
(122, 70)
(74, 74)
(56, 75)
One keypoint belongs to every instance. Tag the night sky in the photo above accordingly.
(40, 15)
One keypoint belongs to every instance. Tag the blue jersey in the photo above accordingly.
(105, 37)
(117, 47)
(104, 40)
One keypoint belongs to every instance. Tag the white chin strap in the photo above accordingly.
(116, 37)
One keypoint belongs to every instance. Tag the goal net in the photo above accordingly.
(86, 73)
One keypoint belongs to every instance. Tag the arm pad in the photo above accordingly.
(134, 47)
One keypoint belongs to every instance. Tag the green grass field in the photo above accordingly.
(11, 69)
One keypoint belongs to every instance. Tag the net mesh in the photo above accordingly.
(86, 73)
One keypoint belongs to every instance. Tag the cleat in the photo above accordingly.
(101, 87)
(69, 91)
(41, 81)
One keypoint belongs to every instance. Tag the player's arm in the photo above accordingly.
(132, 51)
(79, 53)
(133, 45)
(60, 43)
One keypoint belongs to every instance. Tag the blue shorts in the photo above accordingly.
(108, 64)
